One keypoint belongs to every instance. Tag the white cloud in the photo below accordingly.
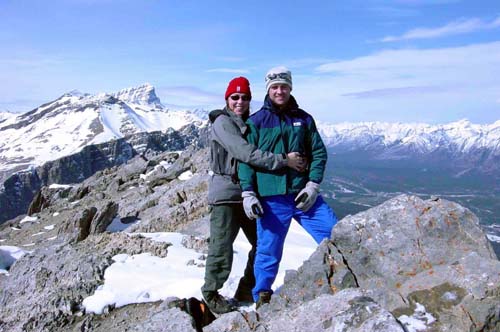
(188, 97)
(305, 62)
(423, 85)
(391, 92)
(453, 28)
(228, 70)
(411, 61)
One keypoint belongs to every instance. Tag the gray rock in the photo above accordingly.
(172, 320)
(6, 259)
(147, 317)
(348, 310)
(103, 218)
(196, 243)
(45, 198)
(233, 321)
(407, 245)
(44, 289)
(323, 273)
(89, 221)
(79, 229)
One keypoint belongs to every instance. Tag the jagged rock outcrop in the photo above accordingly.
(46, 197)
(138, 318)
(129, 193)
(348, 310)
(91, 220)
(407, 258)
(49, 284)
(19, 189)
(408, 253)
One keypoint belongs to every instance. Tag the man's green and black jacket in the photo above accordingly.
(283, 131)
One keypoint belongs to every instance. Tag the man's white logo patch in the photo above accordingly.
(297, 124)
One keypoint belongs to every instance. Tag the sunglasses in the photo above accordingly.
(238, 97)
(283, 76)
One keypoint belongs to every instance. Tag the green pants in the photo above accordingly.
(225, 223)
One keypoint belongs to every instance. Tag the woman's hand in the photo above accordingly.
(296, 161)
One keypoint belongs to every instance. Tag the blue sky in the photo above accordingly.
(433, 61)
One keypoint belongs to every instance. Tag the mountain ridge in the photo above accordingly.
(74, 120)
(77, 120)
(464, 134)
(459, 145)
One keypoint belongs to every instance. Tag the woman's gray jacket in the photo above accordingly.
(227, 148)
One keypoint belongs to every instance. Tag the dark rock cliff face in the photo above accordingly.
(19, 189)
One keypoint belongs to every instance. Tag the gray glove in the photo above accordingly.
(307, 196)
(251, 204)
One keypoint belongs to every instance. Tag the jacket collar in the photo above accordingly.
(240, 122)
(225, 111)
(291, 106)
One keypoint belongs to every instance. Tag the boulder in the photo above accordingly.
(348, 310)
(415, 258)
(45, 289)
(150, 317)
(406, 246)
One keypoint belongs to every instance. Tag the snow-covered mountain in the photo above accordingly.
(75, 120)
(4, 116)
(464, 145)
(461, 136)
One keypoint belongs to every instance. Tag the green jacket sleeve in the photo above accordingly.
(246, 173)
(229, 136)
(318, 154)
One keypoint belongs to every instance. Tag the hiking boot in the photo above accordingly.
(244, 294)
(244, 297)
(218, 304)
(264, 297)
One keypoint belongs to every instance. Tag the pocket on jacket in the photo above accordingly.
(218, 156)
(297, 139)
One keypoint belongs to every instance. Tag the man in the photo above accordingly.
(227, 148)
(281, 126)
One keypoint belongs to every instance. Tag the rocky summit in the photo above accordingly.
(405, 265)
(20, 188)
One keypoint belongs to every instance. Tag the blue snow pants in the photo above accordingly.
(272, 228)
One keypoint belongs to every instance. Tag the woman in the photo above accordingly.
(227, 148)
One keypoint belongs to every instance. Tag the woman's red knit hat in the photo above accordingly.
(238, 85)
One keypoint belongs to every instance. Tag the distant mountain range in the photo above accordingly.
(467, 145)
(75, 120)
